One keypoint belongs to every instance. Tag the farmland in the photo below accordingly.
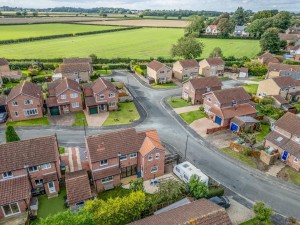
(31, 20)
(142, 44)
(37, 30)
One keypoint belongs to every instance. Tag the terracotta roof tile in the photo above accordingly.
(49, 177)
(74, 67)
(283, 67)
(3, 62)
(227, 95)
(215, 61)
(288, 37)
(111, 171)
(290, 123)
(200, 212)
(32, 152)
(244, 69)
(26, 88)
(188, 63)
(284, 82)
(155, 65)
(58, 86)
(14, 190)
(77, 60)
(280, 99)
(204, 82)
(240, 110)
(213, 27)
(78, 187)
(12, 74)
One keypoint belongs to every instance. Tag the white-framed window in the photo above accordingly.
(133, 155)
(103, 162)
(28, 102)
(39, 181)
(30, 112)
(157, 155)
(111, 95)
(14, 104)
(208, 89)
(150, 158)
(123, 157)
(7, 174)
(296, 160)
(75, 105)
(102, 96)
(162, 71)
(46, 166)
(216, 103)
(154, 169)
(63, 96)
(186, 69)
(16, 114)
(209, 99)
(112, 104)
(185, 177)
(297, 139)
(107, 179)
(74, 95)
(33, 169)
(11, 209)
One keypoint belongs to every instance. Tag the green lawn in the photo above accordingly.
(104, 72)
(257, 79)
(251, 88)
(114, 193)
(178, 102)
(61, 150)
(38, 30)
(166, 85)
(240, 157)
(10, 85)
(127, 114)
(190, 117)
(293, 175)
(265, 130)
(254, 221)
(141, 43)
(80, 120)
(34, 122)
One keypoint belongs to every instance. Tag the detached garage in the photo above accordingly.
(243, 123)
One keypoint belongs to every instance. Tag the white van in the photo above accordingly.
(186, 170)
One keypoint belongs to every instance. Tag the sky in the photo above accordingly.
(217, 5)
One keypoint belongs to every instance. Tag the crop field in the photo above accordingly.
(143, 23)
(30, 20)
(141, 44)
(38, 30)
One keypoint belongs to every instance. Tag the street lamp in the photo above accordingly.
(186, 145)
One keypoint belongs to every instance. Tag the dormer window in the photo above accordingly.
(207, 89)
(279, 139)
(209, 99)
(234, 103)
(7, 174)
(297, 139)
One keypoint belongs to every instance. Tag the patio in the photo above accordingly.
(19, 219)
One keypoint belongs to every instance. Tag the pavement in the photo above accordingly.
(187, 109)
(249, 184)
(96, 120)
(276, 168)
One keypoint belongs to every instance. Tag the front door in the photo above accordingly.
(11, 209)
(51, 187)
(218, 120)
(103, 107)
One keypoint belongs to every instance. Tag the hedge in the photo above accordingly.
(215, 191)
(11, 134)
(111, 66)
(228, 37)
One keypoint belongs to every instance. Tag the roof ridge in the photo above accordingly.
(10, 143)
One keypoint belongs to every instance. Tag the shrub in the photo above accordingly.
(137, 185)
(267, 100)
(215, 191)
(38, 79)
(201, 108)
(262, 213)
(197, 188)
(11, 134)
(247, 151)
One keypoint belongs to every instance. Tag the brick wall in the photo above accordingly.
(147, 165)
(71, 100)
(100, 186)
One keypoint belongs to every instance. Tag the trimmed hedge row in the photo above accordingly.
(12, 41)
(111, 66)
(228, 37)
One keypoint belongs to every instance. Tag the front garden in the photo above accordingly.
(190, 117)
(178, 102)
(44, 121)
(164, 85)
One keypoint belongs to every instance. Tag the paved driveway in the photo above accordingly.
(187, 109)
(96, 120)
(201, 125)
(63, 120)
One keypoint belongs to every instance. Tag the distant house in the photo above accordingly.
(285, 137)
(211, 67)
(65, 96)
(160, 72)
(76, 68)
(240, 31)
(194, 88)
(280, 70)
(184, 69)
(119, 154)
(243, 72)
(212, 29)
(293, 30)
(4, 65)
(5, 71)
(223, 105)
(25, 101)
(100, 96)
(199, 212)
(295, 50)
(288, 37)
(267, 58)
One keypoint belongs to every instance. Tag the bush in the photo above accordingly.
(262, 213)
(39, 79)
(137, 185)
(266, 101)
(11, 134)
(247, 152)
(215, 191)
(201, 108)
(197, 188)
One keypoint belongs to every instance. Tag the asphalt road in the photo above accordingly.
(246, 182)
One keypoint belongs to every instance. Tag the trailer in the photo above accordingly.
(186, 170)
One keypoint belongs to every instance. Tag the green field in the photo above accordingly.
(142, 44)
(38, 30)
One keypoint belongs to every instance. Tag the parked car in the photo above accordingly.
(3, 117)
(220, 201)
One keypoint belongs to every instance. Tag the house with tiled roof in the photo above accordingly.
(27, 167)
(285, 137)
(212, 29)
(4, 65)
(223, 105)
(64, 96)
(288, 37)
(160, 72)
(78, 188)
(184, 69)
(199, 212)
(267, 58)
(211, 67)
(194, 88)
(281, 70)
(116, 155)
(25, 101)
(76, 69)
(5, 71)
(100, 96)
(240, 31)
(295, 50)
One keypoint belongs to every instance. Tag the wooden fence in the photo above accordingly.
(213, 130)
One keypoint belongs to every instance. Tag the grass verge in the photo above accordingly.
(178, 102)
(44, 121)
(166, 85)
(80, 120)
(61, 150)
(293, 175)
(190, 117)
(240, 157)
(251, 88)
(255, 221)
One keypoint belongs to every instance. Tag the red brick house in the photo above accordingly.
(28, 166)
(223, 105)
(78, 188)
(65, 96)
(4, 65)
(267, 58)
(100, 96)
(25, 101)
(194, 88)
(285, 137)
(119, 154)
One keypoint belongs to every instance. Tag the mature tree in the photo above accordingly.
(239, 16)
(11, 134)
(224, 15)
(216, 52)
(187, 48)
(94, 58)
(225, 26)
(35, 13)
(18, 14)
(197, 188)
(264, 14)
(282, 20)
(270, 41)
(256, 68)
(141, 16)
(209, 21)
(165, 17)
(197, 25)
(180, 17)
(262, 213)
(24, 13)
(259, 26)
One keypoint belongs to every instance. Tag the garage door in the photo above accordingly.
(218, 120)
(93, 110)
(234, 127)
(54, 111)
